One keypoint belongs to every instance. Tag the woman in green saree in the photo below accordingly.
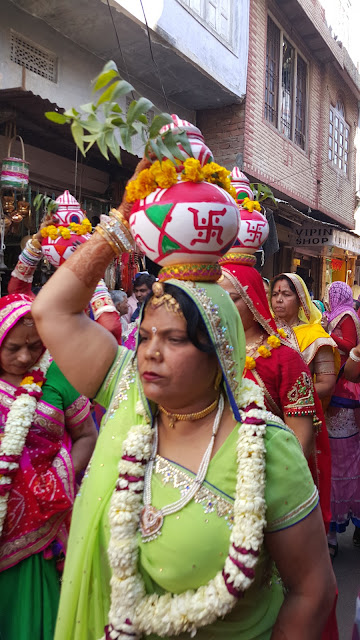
(212, 525)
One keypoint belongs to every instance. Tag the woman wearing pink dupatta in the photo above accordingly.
(343, 419)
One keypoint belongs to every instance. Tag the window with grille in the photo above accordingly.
(214, 13)
(339, 137)
(285, 85)
(29, 55)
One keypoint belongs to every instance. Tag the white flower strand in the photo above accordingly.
(132, 612)
(16, 429)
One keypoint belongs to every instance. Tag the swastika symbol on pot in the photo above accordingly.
(207, 226)
(254, 230)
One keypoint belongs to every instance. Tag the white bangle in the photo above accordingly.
(353, 357)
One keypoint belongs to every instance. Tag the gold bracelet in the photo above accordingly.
(120, 235)
(36, 243)
(107, 239)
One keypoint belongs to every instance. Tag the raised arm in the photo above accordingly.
(82, 348)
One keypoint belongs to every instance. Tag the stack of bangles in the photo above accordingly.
(353, 356)
(115, 230)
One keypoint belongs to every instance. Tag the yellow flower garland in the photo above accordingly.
(273, 341)
(53, 232)
(164, 174)
(250, 205)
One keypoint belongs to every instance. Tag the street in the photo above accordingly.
(347, 571)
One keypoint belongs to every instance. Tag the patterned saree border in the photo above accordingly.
(312, 501)
(35, 541)
(77, 412)
(248, 301)
(224, 350)
(310, 352)
(208, 499)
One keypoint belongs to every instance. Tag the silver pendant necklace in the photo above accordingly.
(151, 519)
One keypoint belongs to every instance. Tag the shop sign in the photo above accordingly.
(312, 236)
(322, 236)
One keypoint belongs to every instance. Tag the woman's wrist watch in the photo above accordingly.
(353, 356)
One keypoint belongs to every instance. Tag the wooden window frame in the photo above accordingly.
(336, 149)
(297, 54)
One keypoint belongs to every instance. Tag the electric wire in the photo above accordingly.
(120, 48)
(153, 58)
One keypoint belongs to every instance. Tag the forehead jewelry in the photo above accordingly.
(161, 298)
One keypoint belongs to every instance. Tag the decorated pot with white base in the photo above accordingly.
(187, 223)
(70, 228)
(254, 230)
(241, 184)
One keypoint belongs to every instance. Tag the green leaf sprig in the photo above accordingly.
(48, 204)
(262, 192)
(103, 122)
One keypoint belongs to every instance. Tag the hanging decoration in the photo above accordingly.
(15, 171)
(336, 264)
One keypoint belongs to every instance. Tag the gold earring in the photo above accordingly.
(218, 380)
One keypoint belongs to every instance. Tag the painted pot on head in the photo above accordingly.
(241, 184)
(70, 217)
(196, 139)
(187, 223)
(254, 230)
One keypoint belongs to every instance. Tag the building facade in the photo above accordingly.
(296, 131)
(183, 55)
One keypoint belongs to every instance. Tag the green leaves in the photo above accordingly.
(49, 205)
(57, 117)
(103, 122)
(262, 192)
(138, 108)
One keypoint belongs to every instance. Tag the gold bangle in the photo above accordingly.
(35, 242)
(107, 239)
(120, 235)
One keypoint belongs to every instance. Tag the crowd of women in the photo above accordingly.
(231, 436)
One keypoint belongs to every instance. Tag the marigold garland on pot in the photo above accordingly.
(165, 174)
(80, 229)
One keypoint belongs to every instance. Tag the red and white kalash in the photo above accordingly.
(188, 223)
(69, 210)
(254, 228)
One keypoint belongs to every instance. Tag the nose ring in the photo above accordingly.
(157, 353)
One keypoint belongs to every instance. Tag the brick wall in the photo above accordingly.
(224, 132)
(304, 177)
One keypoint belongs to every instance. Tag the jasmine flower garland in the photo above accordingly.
(18, 423)
(132, 612)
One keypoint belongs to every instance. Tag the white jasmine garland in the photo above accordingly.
(132, 612)
(18, 423)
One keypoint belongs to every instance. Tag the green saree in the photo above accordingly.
(194, 541)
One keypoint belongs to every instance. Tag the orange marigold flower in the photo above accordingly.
(250, 363)
(264, 352)
(192, 171)
(164, 173)
(274, 341)
(282, 333)
(250, 205)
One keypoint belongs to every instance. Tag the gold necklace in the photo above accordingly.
(183, 417)
(254, 345)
